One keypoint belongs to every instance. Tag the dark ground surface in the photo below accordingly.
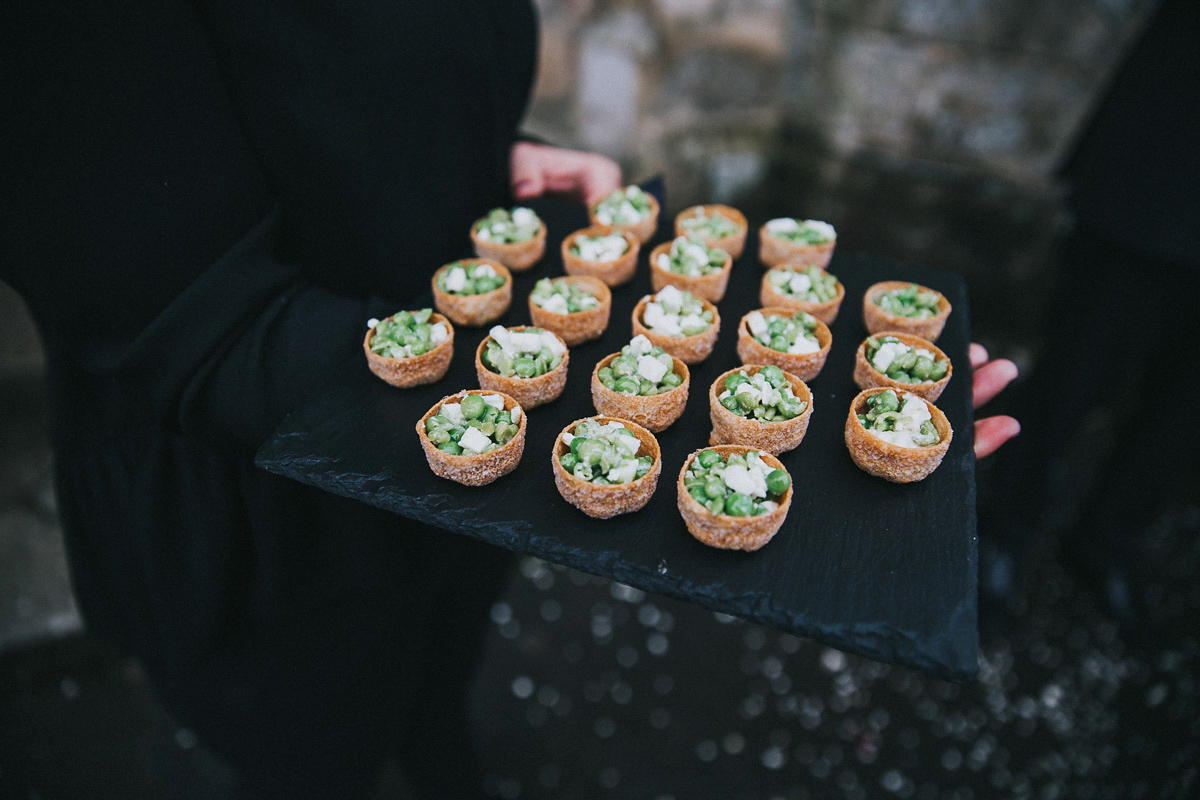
(590, 689)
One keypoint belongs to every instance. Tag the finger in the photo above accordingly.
(978, 354)
(988, 380)
(528, 185)
(526, 171)
(992, 432)
(601, 176)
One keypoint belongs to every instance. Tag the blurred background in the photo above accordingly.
(925, 131)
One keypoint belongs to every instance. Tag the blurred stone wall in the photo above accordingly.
(924, 130)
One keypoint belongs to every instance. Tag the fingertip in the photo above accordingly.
(524, 190)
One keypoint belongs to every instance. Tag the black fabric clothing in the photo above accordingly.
(1104, 450)
(1135, 172)
(206, 202)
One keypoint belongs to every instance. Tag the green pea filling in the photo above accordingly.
(408, 333)
(468, 278)
(690, 256)
(903, 421)
(522, 354)
(712, 226)
(600, 247)
(562, 297)
(676, 313)
(795, 334)
(640, 369)
(766, 396)
(888, 356)
(811, 285)
(910, 301)
(604, 453)
(502, 226)
(808, 231)
(625, 206)
(739, 486)
(477, 424)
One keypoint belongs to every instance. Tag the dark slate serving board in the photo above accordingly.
(879, 569)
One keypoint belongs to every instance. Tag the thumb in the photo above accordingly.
(527, 182)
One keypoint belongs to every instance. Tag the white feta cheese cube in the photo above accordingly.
(744, 480)
(640, 344)
(823, 228)
(623, 473)
(657, 319)
(651, 368)
(671, 298)
(628, 445)
(452, 412)
(555, 304)
(473, 440)
(782, 225)
(803, 345)
(886, 354)
(916, 408)
(692, 322)
(526, 342)
(551, 342)
(456, 279)
(494, 400)
(757, 323)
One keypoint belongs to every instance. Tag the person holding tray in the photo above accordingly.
(209, 202)
(212, 199)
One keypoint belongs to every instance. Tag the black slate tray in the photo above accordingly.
(879, 569)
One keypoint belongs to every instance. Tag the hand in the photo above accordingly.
(987, 380)
(539, 169)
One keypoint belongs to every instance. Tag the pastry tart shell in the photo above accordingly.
(867, 377)
(529, 392)
(613, 273)
(804, 366)
(772, 437)
(603, 502)
(826, 311)
(877, 320)
(688, 349)
(579, 326)
(709, 287)
(643, 230)
(891, 461)
(428, 367)
(474, 309)
(773, 251)
(722, 530)
(517, 256)
(655, 413)
(474, 470)
(734, 243)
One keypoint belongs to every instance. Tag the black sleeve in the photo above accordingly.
(208, 198)
(383, 126)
